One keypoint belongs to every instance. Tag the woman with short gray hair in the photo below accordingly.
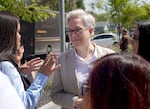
(77, 62)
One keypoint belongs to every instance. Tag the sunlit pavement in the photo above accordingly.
(50, 105)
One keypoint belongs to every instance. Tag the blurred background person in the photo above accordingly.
(28, 69)
(118, 81)
(124, 41)
(125, 33)
(77, 62)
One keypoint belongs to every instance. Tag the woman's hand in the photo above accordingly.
(32, 65)
(49, 65)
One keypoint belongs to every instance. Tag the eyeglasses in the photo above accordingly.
(84, 89)
(76, 31)
(135, 37)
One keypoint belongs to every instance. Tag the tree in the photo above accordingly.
(69, 4)
(53, 4)
(123, 12)
(27, 12)
(144, 12)
(80, 4)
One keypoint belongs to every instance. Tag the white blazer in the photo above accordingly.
(64, 85)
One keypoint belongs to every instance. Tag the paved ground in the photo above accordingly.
(46, 103)
(45, 98)
(50, 105)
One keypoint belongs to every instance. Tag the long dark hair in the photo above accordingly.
(144, 40)
(8, 30)
(120, 81)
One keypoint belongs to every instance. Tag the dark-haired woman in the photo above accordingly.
(9, 43)
(118, 81)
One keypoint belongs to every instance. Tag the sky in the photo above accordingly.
(87, 2)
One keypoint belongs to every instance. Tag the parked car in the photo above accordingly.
(105, 39)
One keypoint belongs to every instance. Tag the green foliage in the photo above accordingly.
(48, 85)
(144, 13)
(123, 12)
(80, 4)
(69, 4)
(53, 4)
(117, 49)
(102, 17)
(119, 11)
(31, 12)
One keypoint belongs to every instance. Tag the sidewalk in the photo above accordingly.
(50, 105)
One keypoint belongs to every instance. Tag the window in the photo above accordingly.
(103, 37)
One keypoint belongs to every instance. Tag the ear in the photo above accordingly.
(91, 30)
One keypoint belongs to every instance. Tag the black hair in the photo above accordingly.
(144, 40)
(8, 30)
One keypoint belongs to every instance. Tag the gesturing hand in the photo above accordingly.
(32, 65)
(49, 65)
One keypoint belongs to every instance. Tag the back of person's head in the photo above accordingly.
(88, 19)
(120, 81)
(8, 30)
(144, 40)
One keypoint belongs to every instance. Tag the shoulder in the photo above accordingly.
(8, 68)
(101, 51)
(104, 50)
(3, 77)
(6, 64)
(67, 55)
